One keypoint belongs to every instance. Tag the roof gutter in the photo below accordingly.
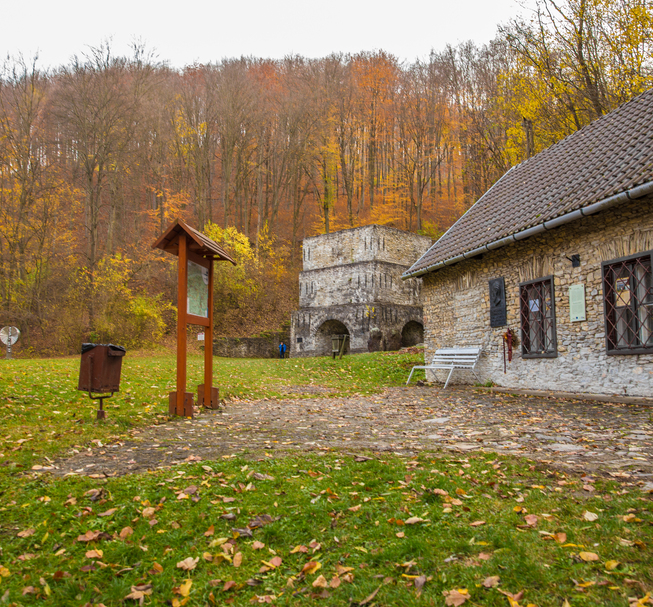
(602, 205)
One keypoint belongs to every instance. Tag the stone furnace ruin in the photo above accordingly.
(351, 284)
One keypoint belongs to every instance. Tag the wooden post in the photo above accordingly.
(190, 245)
(182, 303)
(208, 347)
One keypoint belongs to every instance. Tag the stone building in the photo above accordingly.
(351, 284)
(559, 251)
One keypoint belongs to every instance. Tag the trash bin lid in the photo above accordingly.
(87, 347)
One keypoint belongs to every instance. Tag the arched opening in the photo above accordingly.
(412, 334)
(323, 337)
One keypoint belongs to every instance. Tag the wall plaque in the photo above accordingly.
(577, 303)
(497, 303)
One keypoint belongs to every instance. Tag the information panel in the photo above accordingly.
(577, 303)
(198, 290)
(497, 303)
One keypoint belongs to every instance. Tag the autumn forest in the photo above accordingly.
(98, 156)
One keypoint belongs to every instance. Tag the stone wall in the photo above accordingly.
(351, 284)
(456, 306)
(362, 282)
(367, 243)
(266, 346)
(311, 328)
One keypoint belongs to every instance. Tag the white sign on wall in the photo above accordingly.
(577, 303)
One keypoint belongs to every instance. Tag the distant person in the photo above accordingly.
(282, 350)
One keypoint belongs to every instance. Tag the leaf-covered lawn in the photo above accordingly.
(327, 530)
(322, 529)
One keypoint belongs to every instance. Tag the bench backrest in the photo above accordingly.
(458, 356)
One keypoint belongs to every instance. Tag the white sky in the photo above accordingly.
(182, 33)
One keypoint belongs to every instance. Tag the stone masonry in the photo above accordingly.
(351, 284)
(456, 306)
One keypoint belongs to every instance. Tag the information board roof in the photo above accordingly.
(197, 242)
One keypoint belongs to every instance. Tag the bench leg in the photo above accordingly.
(411, 374)
(448, 378)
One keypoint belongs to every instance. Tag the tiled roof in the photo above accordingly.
(198, 243)
(611, 155)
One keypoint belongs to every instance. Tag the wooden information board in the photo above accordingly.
(196, 254)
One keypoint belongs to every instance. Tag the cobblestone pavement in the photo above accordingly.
(588, 437)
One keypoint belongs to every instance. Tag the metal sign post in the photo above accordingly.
(9, 336)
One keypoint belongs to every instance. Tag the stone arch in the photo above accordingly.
(323, 336)
(412, 334)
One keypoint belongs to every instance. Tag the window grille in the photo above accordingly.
(537, 311)
(628, 304)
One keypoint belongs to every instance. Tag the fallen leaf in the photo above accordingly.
(311, 567)
(419, 582)
(335, 582)
(149, 512)
(413, 520)
(455, 597)
(340, 570)
(531, 520)
(273, 563)
(109, 512)
(188, 564)
(590, 516)
(228, 585)
(257, 545)
(156, 568)
(94, 554)
(320, 582)
(184, 588)
(210, 531)
(611, 565)
(477, 523)
(138, 593)
(492, 581)
(26, 533)
(299, 548)
(355, 508)
(262, 477)
(125, 533)
(588, 556)
(238, 559)
(400, 534)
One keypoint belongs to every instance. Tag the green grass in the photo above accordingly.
(473, 518)
(42, 414)
(345, 515)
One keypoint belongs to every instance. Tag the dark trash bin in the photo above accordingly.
(100, 367)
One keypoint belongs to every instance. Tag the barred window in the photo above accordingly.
(628, 304)
(537, 311)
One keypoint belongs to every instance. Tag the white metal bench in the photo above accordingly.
(452, 359)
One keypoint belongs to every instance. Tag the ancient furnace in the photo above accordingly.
(351, 284)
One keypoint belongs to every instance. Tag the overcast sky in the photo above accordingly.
(182, 33)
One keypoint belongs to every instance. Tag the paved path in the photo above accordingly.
(595, 438)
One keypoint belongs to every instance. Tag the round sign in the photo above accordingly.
(9, 335)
